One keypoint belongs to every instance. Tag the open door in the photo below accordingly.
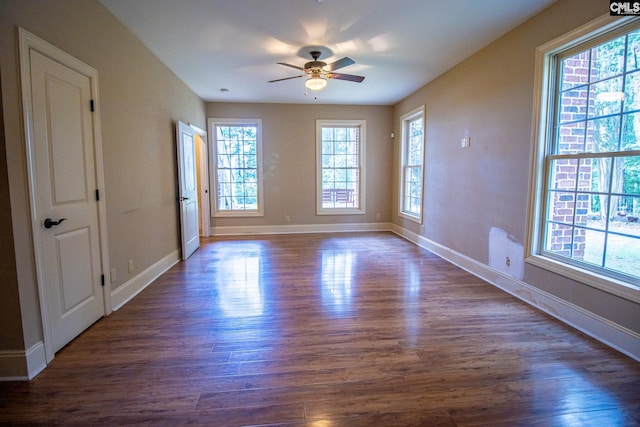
(187, 189)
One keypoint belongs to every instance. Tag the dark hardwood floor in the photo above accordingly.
(327, 330)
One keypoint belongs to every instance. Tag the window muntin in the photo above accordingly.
(412, 158)
(237, 159)
(340, 158)
(589, 195)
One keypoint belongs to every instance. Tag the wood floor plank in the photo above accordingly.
(327, 330)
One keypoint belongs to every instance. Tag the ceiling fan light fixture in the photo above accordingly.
(315, 83)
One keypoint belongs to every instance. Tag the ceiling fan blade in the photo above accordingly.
(349, 77)
(291, 66)
(340, 63)
(286, 78)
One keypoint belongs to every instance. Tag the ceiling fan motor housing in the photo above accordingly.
(315, 63)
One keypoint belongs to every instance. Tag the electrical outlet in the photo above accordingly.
(465, 142)
(130, 265)
(508, 262)
(378, 217)
(287, 218)
(114, 275)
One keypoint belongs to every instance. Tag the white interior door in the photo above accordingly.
(188, 189)
(64, 178)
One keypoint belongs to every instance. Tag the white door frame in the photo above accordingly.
(29, 42)
(203, 181)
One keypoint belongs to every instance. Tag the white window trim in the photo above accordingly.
(361, 210)
(542, 116)
(411, 115)
(213, 155)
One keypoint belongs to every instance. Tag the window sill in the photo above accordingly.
(340, 212)
(416, 219)
(237, 214)
(610, 285)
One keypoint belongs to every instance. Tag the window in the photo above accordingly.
(586, 207)
(412, 158)
(340, 166)
(237, 159)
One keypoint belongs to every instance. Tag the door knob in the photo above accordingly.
(48, 223)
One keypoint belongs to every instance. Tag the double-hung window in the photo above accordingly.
(340, 147)
(585, 210)
(412, 166)
(237, 161)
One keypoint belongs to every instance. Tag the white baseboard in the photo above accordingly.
(36, 359)
(124, 293)
(21, 365)
(616, 336)
(300, 229)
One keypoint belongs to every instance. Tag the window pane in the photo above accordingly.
(327, 147)
(623, 253)
(352, 175)
(632, 92)
(594, 247)
(558, 239)
(327, 134)
(630, 132)
(607, 97)
(224, 175)
(564, 174)
(351, 161)
(575, 70)
(598, 218)
(340, 175)
(605, 134)
(251, 162)
(587, 179)
(582, 209)
(561, 207)
(633, 51)
(573, 105)
(328, 175)
(602, 174)
(571, 138)
(223, 161)
(578, 244)
(416, 174)
(630, 167)
(607, 60)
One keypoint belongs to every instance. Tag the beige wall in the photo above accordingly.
(289, 156)
(489, 97)
(9, 299)
(140, 100)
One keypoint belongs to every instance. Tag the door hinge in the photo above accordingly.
(102, 280)
(91, 107)
(97, 195)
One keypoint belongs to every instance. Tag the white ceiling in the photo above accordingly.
(398, 45)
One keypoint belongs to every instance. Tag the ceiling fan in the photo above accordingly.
(318, 72)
